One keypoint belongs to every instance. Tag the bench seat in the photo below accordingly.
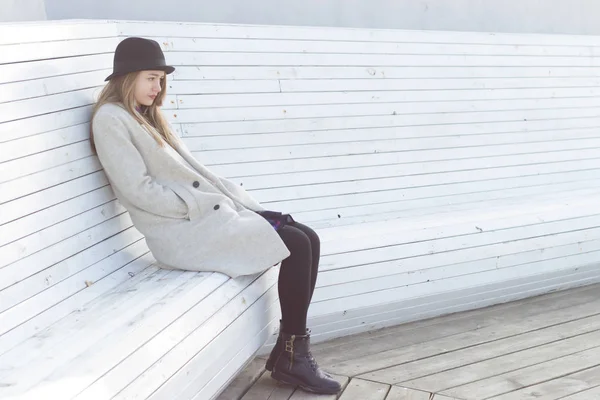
(442, 171)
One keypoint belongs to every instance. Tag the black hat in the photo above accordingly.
(137, 54)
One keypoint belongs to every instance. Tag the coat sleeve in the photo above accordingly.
(127, 170)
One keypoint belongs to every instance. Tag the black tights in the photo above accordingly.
(298, 275)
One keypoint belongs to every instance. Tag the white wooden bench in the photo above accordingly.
(443, 172)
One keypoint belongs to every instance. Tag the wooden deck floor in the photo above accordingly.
(546, 347)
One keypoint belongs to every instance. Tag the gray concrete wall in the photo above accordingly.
(533, 16)
(544, 16)
(22, 10)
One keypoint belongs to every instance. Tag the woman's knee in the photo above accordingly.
(296, 240)
(309, 232)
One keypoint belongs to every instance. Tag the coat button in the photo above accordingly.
(217, 207)
(196, 184)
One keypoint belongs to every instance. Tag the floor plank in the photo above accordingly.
(557, 388)
(302, 395)
(240, 385)
(590, 394)
(372, 343)
(539, 348)
(400, 393)
(503, 364)
(525, 377)
(267, 388)
(417, 361)
(359, 389)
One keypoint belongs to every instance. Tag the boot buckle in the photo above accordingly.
(289, 347)
(289, 344)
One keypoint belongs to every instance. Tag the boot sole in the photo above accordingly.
(290, 380)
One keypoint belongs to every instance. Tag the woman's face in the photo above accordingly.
(148, 86)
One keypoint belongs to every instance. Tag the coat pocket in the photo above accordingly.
(188, 198)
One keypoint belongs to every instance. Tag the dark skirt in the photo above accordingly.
(276, 219)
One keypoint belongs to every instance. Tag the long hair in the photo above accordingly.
(121, 89)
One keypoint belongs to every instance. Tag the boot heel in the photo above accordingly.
(275, 351)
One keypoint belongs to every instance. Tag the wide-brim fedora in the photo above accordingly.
(138, 54)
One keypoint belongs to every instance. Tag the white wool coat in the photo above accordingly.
(192, 219)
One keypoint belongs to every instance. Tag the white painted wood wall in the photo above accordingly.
(443, 171)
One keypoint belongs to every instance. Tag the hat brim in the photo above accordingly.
(166, 68)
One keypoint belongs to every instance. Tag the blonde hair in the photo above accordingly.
(121, 89)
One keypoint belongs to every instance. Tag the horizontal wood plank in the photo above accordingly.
(286, 99)
(324, 46)
(367, 60)
(33, 32)
(202, 72)
(56, 49)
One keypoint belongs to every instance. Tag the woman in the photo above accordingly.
(193, 219)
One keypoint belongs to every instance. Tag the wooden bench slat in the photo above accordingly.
(373, 184)
(447, 242)
(307, 59)
(459, 212)
(348, 110)
(500, 208)
(63, 259)
(267, 309)
(334, 85)
(147, 383)
(60, 49)
(325, 46)
(129, 273)
(18, 72)
(388, 96)
(551, 160)
(408, 144)
(33, 32)
(75, 341)
(431, 119)
(396, 295)
(44, 123)
(388, 210)
(47, 141)
(100, 201)
(42, 105)
(301, 170)
(468, 268)
(422, 194)
(477, 258)
(47, 307)
(203, 72)
(435, 305)
(385, 146)
(47, 178)
(194, 132)
(53, 85)
(52, 196)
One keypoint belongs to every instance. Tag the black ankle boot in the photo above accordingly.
(295, 365)
(276, 350)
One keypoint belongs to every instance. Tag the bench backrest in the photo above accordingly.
(336, 126)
